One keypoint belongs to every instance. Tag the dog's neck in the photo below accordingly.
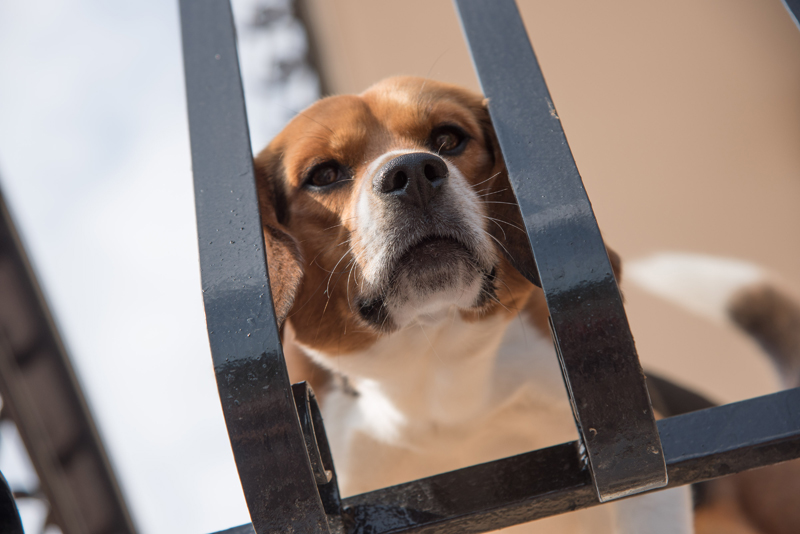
(447, 373)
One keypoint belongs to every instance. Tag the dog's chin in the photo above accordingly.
(428, 280)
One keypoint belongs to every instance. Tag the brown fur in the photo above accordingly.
(397, 113)
(772, 319)
(761, 501)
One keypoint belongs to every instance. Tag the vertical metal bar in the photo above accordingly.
(590, 329)
(253, 383)
(9, 515)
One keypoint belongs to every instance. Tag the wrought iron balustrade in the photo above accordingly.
(286, 489)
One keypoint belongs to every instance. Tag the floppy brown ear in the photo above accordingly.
(284, 260)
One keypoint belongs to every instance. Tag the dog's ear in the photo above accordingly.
(509, 229)
(284, 259)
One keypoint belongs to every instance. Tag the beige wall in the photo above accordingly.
(684, 119)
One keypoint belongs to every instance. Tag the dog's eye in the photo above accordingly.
(325, 174)
(448, 139)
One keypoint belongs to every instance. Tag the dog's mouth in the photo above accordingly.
(431, 264)
(434, 252)
(431, 271)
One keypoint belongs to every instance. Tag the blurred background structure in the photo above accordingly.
(42, 405)
(683, 119)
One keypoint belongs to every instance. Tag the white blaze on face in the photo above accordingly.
(382, 234)
(373, 230)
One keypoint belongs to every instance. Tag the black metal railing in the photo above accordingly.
(282, 458)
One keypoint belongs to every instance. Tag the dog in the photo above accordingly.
(388, 219)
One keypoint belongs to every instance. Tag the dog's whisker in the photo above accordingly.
(492, 193)
(489, 178)
(499, 202)
(328, 287)
(494, 298)
(338, 225)
(385, 317)
(496, 224)
(510, 292)
(497, 241)
(510, 224)
(350, 302)
(333, 271)
(487, 188)
(327, 290)
(504, 222)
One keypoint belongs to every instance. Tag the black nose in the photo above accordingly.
(414, 178)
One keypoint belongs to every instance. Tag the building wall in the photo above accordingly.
(684, 120)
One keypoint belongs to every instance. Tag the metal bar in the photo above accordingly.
(253, 383)
(10, 522)
(698, 446)
(590, 329)
(319, 453)
(44, 398)
(793, 6)
(242, 529)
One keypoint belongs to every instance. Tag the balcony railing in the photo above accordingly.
(286, 489)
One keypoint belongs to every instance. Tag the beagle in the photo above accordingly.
(388, 217)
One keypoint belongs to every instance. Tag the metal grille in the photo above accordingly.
(286, 488)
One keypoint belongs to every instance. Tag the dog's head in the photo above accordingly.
(385, 208)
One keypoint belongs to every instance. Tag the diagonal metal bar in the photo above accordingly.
(254, 389)
(9, 515)
(793, 6)
(590, 329)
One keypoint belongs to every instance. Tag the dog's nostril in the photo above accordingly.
(430, 173)
(400, 181)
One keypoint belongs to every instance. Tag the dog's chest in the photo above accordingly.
(446, 396)
(442, 396)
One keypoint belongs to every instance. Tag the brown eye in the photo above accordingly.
(325, 174)
(448, 140)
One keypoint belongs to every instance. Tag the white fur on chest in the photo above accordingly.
(442, 395)
(449, 394)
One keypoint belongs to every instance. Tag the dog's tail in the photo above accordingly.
(730, 291)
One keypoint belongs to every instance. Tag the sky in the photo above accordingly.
(95, 165)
